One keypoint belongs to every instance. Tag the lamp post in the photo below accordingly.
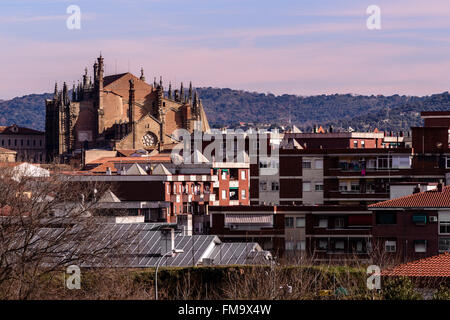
(170, 253)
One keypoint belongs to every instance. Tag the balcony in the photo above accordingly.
(356, 195)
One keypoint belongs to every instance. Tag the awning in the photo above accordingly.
(248, 219)
(420, 218)
(360, 220)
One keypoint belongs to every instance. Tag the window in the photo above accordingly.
(300, 222)
(168, 189)
(355, 144)
(289, 245)
(363, 144)
(339, 245)
(224, 195)
(243, 194)
(319, 164)
(224, 174)
(319, 186)
(343, 186)
(390, 246)
(448, 161)
(323, 223)
(322, 244)
(242, 175)
(444, 222)
(444, 244)
(275, 186)
(384, 162)
(386, 218)
(420, 246)
(301, 245)
(306, 164)
(289, 222)
(401, 162)
(339, 223)
(263, 185)
(355, 186)
(306, 186)
(359, 246)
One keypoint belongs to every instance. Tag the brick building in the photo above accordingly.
(414, 226)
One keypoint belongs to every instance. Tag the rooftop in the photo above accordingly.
(436, 267)
(427, 199)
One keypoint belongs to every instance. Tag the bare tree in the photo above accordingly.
(46, 224)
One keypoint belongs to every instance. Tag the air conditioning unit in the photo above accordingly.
(433, 219)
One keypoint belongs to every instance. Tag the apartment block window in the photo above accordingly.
(300, 222)
(275, 186)
(339, 245)
(306, 186)
(224, 174)
(243, 194)
(343, 186)
(419, 218)
(355, 186)
(224, 195)
(322, 244)
(319, 164)
(319, 186)
(386, 218)
(168, 189)
(323, 223)
(306, 164)
(444, 223)
(301, 245)
(384, 162)
(242, 175)
(363, 144)
(262, 185)
(339, 223)
(420, 246)
(359, 246)
(390, 246)
(289, 245)
(355, 144)
(448, 162)
(289, 222)
(444, 244)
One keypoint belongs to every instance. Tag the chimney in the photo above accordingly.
(108, 171)
(440, 186)
(167, 240)
(416, 189)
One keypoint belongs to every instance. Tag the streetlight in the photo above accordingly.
(170, 253)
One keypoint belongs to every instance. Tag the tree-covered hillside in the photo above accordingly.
(229, 107)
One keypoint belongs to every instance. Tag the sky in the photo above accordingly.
(303, 47)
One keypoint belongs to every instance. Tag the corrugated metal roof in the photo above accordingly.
(248, 218)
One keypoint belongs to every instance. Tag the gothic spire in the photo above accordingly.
(55, 93)
(190, 91)
(170, 90)
(74, 93)
(182, 93)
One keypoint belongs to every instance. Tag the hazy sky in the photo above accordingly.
(303, 47)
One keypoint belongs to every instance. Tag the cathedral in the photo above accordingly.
(117, 112)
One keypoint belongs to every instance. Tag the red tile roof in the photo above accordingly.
(436, 266)
(428, 199)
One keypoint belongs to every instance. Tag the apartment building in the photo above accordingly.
(414, 226)
(157, 188)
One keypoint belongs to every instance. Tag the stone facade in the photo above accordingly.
(29, 144)
(119, 111)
